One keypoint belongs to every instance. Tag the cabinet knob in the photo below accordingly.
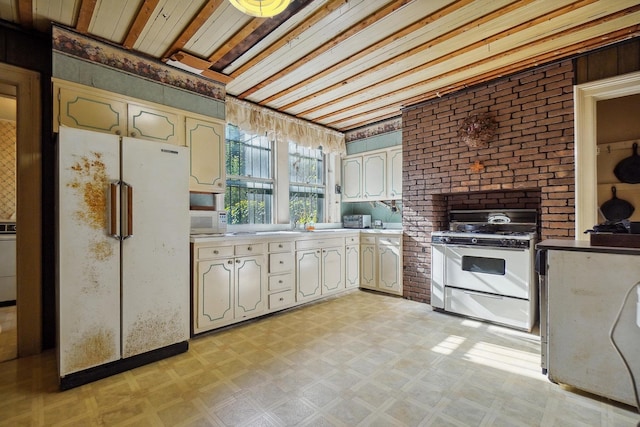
(279, 281)
(133, 134)
(281, 262)
(215, 252)
(237, 261)
(118, 132)
(229, 262)
(280, 245)
(249, 248)
(281, 299)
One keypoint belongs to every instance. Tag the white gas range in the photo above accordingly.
(483, 266)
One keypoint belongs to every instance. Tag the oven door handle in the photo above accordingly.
(488, 247)
(482, 294)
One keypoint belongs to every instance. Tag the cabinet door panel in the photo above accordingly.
(352, 179)
(84, 110)
(389, 268)
(308, 274)
(154, 125)
(352, 266)
(368, 266)
(215, 293)
(374, 168)
(206, 140)
(394, 174)
(332, 270)
(250, 299)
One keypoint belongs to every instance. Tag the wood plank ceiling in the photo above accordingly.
(344, 63)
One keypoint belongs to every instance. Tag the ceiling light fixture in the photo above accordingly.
(261, 8)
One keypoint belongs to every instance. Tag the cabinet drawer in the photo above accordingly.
(495, 308)
(280, 246)
(280, 262)
(215, 251)
(352, 240)
(319, 243)
(250, 249)
(281, 299)
(395, 241)
(368, 239)
(281, 281)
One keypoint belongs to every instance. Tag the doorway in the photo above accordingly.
(8, 313)
(24, 85)
(586, 97)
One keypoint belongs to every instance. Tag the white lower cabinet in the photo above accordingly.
(320, 267)
(281, 278)
(381, 263)
(352, 262)
(242, 279)
(228, 288)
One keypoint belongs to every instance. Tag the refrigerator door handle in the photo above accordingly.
(128, 189)
(113, 220)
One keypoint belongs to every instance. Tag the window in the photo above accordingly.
(249, 163)
(306, 184)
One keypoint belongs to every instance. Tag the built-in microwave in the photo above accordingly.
(208, 222)
(201, 201)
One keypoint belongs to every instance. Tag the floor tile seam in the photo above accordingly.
(215, 410)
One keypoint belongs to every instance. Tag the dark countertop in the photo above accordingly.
(584, 246)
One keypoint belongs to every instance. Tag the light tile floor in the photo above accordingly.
(358, 359)
(8, 333)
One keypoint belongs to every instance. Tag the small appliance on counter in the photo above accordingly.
(208, 222)
(356, 221)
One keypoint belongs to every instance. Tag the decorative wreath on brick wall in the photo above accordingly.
(477, 130)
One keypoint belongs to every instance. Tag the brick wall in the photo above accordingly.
(528, 164)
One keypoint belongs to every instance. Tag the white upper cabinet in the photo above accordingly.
(352, 178)
(394, 174)
(372, 176)
(374, 167)
(206, 140)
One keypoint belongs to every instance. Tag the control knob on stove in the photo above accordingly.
(474, 240)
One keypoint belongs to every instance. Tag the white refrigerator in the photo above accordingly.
(122, 253)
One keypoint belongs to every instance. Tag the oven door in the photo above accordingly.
(500, 271)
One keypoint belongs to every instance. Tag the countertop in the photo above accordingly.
(292, 234)
(584, 246)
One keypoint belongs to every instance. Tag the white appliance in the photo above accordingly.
(122, 252)
(7, 263)
(583, 290)
(483, 266)
(208, 222)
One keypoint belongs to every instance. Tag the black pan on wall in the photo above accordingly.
(628, 169)
(616, 209)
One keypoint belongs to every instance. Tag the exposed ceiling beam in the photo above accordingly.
(25, 11)
(198, 21)
(316, 17)
(354, 29)
(141, 20)
(574, 49)
(87, 7)
(368, 50)
(484, 42)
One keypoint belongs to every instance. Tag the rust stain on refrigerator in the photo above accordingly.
(93, 348)
(91, 181)
(153, 330)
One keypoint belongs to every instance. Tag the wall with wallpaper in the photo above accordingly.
(7, 169)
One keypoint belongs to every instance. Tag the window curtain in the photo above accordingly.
(262, 121)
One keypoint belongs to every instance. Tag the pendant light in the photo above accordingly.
(261, 8)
